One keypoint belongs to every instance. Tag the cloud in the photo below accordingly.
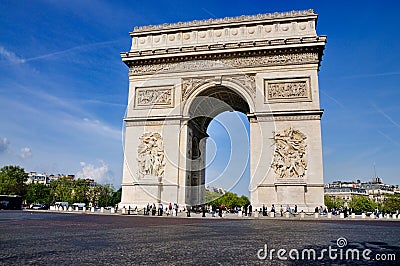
(10, 57)
(100, 174)
(4, 143)
(25, 153)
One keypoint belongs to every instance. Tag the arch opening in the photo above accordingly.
(215, 101)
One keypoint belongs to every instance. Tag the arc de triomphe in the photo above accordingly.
(182, 75)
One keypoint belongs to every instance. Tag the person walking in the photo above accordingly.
(250, 210)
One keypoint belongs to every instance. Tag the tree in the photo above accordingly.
(38, 193)
(12, 181)
(61, 190)
(362, 204)
(105, 195)
(116, 198)
(80, 191)
(391, 204)
(230, 199)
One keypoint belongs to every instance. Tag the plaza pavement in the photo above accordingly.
(52, 238)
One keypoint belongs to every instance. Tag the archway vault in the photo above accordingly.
(183, 75)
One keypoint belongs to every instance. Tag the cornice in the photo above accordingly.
(223, 21)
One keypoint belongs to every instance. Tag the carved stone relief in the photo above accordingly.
(154, 96)
(151, 159)
(289, 157)
(287, 90)
(223, 63)
(189, 85)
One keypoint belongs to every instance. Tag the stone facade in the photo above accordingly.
(183, 75)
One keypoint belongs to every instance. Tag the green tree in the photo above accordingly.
(230, 199)
(61, 190)
(209, 196)
(80, 191)
(105, 195)
(329, 202)
(12, 181)
(362, 204)
(116, 198)
(38, 193)
(391, 204)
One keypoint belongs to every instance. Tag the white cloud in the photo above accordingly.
(10, 57)
(100, 174)
(26, 153)
(4, 143)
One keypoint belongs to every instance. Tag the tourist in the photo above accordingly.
(295, 209)
(250, 209)
(281, 210)
(264, 210)
(170, 208)
(273, 208)
(213, 210)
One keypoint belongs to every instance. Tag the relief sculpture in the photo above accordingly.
(146, 97)
(289, 157)
(151, 160)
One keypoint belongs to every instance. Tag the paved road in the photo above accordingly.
(40, 238)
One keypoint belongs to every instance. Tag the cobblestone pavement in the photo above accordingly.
(45, 238)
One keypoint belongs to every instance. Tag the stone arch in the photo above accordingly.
(246, 93)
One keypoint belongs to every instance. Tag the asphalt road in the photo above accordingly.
(44, 238)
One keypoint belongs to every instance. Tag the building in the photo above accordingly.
(375, 189)
(34, 177)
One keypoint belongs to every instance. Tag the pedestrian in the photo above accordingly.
(245, 210)
(295, 209)
(213, 210)
(281, 210)
(250, 209)
(273, 208)
(264, 210)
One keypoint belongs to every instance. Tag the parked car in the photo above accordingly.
(39, 207)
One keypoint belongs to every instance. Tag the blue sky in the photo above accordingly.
(63, 87)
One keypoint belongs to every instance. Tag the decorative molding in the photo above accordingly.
(287, 90)
(288, 118)
(209, 22)
(152, 123)
(224, 63)
(190, 85)
(154, 97)
(289, 156)
(151, 159)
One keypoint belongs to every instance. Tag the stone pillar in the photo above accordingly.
(272, 214)
(287, 214)
(393, 216)
(302, 215)
(316, 215)
(363, 215)
(92, 209)
(329, 215)
(341, 215)
(372, 216)
(102, 209)
(123, 211)
(353, 215)
(255, 214)
(84, 209)
(70, 209)
(65, 208)
(112, 210)
(240, 214)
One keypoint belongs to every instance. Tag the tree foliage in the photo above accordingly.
(38, 193)
(230, 199)
(362, 204)
(12, 181)
(333, 203)
(391, 204)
